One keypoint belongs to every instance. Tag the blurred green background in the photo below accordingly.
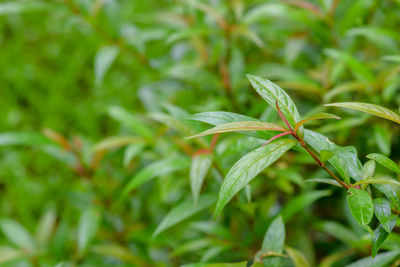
(94, 93)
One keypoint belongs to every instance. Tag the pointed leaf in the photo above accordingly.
(198, 171)
(297, 257)
(361, 206)
(103, 61)
(368, 169)
(385, 161)
(380, 260)
(274, 240)
(17, 234)
(324, 181)
(240, 126)
(370, 109)
(87, 228)
(248, 167)
(379, 237)
(383, 213)
(271, 93)
(319, 116)
(156, 169)
(184, 211)
(380, 180)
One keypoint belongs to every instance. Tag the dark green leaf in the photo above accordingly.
(379, 237)
(383, 213)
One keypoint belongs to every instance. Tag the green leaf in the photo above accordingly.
(345, 160)
(380, 260)
(385, 161)
(156, 169)
(361, 206)
(383, 213)
(326, 155)
(379, 237)
(274, 241)
(241, 126)
(220, 117)
(198, 171)
(14, 7)
(248, 167)
(382, 139)
(370, 109)
(379, 180)
(237, 264)
(319, 116)
(368, 169)
(24, 138)
(103, 61)
(184, 211)
(297, 257)
(8, 254)
(300, 202)
(17, 234)
(338, 231)
(46, 226)
(87, 228)
(390, 193)
(115, 142)
(324, 181)
(271, 93)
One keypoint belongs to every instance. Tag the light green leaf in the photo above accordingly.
(324, 181)
(156, 169)
(117, 252)
(271, 93)
(240, 126)
(115, 142)
(103, 61)
(297, 257)
(361, 206)
(379, 180)
(383, 213)
(24, 138)
(274, 240)
(248, 167)
(385, 161)
(198, 171)
(382, 139)
(87, 228)
(379, 260)
(17, 234)
(319, 116)
(16, 7)
(237, 264)
(370, 109)
(379, 237)
(300, 202)
(46, 226)
(326, 155)
(368, 169)
(184, 211)
(220, 117)
(10, 254)
(131, 151)
(338, 231)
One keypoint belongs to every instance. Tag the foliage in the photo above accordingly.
(199, 133)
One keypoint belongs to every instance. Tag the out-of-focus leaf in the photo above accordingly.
(345, 88)
(272, 93)
(360, 71)
(103, 61)
(361, 206)
(274, 240)
(45, 226)
(130, 121)
(385, 161)
(383, 213)
(379, 36)
(198, 171)
(87, 228)
(115, 142)
(155, 169)
(132, 151)
(370, 109)
(237, 264)
(319, 116)
(381, 259)
(212, 228)
(382, 139)
(390, 193)
(17, 234)
(16, 7)
(297, 257)
(379, 237)
(193, 245)
(338, 231)
(248, 167)
(184, 211)
(24, 138)
(9, 254)
(241, 126)
(118, 252)
(378, 180)
(300, 202)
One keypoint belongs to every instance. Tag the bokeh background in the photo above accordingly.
(94, 93)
